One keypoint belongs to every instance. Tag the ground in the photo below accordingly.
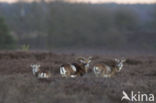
(18, 85)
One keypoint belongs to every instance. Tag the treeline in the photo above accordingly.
(64, 25)
(6, 40)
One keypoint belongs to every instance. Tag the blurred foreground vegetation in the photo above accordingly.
(42, 25)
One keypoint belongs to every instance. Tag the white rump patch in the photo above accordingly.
(45, 75)
(62, 71)
(106, 76)
(73, 76)
(42, 75)
(73, 68)
(96, 70)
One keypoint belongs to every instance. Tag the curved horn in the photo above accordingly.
(80, 58)
(117, 60)
(90, 57)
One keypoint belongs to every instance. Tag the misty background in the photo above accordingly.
(52, 25)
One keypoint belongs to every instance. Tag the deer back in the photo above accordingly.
(80, 69)
(69, 69)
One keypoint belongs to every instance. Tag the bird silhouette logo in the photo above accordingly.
(125, 96)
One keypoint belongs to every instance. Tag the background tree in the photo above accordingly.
(6, 40)
(48, 25)
(126, 19)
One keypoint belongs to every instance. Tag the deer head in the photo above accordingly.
(119, 63)
(85, 62)
(35, 68)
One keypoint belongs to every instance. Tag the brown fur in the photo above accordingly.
(80, 69)
(43, 71)
(103, 69)
(68, 69)
(110, 63)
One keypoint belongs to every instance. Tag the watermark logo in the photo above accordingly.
(125, 96)
(137, 97)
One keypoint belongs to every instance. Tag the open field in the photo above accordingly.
(18, 85)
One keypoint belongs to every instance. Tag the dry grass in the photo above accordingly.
(18, 85)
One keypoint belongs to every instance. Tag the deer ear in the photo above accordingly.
(31, 65)
(90, 57)
(117, 60)
(82, 61)
(123, 59)
(80, 58)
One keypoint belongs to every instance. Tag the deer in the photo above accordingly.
(108, 69)
(40, 74)
(75, 69)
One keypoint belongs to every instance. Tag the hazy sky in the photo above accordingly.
(100, 1)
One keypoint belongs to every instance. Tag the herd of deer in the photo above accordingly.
(80, 68)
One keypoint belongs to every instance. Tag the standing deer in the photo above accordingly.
(75, 69)
(108, 69)
(40, 74)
